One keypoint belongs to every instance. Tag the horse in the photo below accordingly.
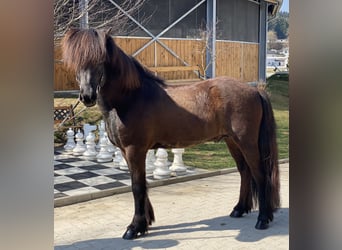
(142, 112)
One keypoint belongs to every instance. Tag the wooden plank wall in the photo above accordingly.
(63, 79)
(238, 60)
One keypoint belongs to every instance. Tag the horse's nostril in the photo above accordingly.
(86, 99)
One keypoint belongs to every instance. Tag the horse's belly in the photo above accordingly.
(188, 134)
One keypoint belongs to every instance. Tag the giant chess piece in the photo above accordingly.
(88, 128)
(90, 153)
(178, 165)
(119, 160)
(102, 130)
(162, 171)
(111, 148)
(104, 155)
(149, 162)
(80, 147)
(70, 144)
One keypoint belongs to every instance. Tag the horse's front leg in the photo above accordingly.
(143, 211)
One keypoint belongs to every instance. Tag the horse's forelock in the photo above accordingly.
(84, 48)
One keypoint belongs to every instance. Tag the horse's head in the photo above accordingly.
(90, 80)
(85, 51)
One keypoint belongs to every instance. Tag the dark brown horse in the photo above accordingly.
(141, 112)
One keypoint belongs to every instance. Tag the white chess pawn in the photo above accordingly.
(90, 153)
(80, 147)
(149, 162)
(111, 148)
(119, 160)
(178, 164)
(162, 171)
(70, 144)
(88, 128)
(104, 155)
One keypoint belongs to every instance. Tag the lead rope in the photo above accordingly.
(72, 117)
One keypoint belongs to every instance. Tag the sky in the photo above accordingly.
(285, 6)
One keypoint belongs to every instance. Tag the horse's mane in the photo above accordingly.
(148, 75)
(83, 48)
(88, 47)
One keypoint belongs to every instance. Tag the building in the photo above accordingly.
(192, 39)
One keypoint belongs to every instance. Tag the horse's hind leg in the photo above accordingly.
(143, 211)
(252, 157)
(245, 202)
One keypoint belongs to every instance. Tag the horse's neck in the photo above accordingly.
(113, 96)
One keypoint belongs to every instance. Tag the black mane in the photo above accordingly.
(145, 73)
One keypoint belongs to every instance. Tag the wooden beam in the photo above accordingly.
(173, 68)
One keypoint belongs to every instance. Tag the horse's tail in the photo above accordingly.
(269, 153)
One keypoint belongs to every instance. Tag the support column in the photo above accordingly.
(211, 32)
(262, 40)
(83, 4)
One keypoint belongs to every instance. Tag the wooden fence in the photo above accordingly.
(238, 60)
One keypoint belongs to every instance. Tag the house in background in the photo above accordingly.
(278, 60)
(193, 39)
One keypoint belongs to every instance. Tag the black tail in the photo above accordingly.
(269, 153)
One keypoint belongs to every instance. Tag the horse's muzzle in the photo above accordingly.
(88, 101)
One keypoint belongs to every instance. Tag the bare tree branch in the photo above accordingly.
(102, 14)
(205, 50)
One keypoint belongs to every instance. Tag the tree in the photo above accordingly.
(271, 36)
(272, 42)
(98, 14)
(280, 25)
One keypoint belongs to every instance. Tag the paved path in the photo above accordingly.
(189, 215)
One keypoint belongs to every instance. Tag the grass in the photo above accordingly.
(210, 155)
(278, 89)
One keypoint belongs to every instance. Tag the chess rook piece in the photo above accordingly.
(178, 165)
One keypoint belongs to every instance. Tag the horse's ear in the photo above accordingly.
(109, 43)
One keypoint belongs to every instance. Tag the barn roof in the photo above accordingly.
(274, 7)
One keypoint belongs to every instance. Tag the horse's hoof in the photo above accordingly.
(261, 225)
(236, 214)
(130, 234)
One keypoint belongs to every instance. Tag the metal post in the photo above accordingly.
(262, 40)
(83, 4)
(211, 33)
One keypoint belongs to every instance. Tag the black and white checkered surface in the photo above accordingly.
(76, 176)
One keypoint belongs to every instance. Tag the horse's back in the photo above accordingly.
(207, 110)
(215, 94)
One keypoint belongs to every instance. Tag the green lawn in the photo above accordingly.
(211, 155)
